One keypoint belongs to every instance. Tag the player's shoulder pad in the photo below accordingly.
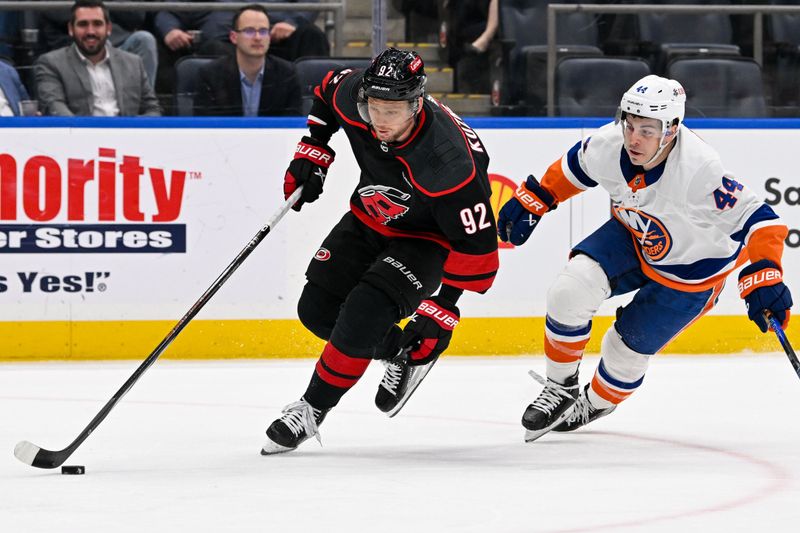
(333, 79)
(607, 136)
(448, 156)
(698, 163)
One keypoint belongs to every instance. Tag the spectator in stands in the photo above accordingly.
(90, 78)
(12, 92)
(125, 33)
(293, 33)
(181, 33)
(472, 27)
(9, 32)
(203, 32)
(424, 19)
(253, 83)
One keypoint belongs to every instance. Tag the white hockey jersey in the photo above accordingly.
(691, 221)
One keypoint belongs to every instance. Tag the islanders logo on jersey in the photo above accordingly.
(384, 203)
(650, 232)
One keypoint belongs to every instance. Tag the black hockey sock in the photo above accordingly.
(390, 344)
(333, 376)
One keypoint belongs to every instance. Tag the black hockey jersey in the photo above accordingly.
(434, 185)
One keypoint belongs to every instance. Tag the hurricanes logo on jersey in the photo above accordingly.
(384, 203)
(650, 232)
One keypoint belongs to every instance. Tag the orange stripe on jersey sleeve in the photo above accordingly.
(557, 184)
(767, 243)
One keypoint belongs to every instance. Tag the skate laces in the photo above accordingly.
(300, 417)
(392, 376)
(551, 396)
(582, 411)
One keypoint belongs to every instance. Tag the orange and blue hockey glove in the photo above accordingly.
(762, 288)
(521, 214)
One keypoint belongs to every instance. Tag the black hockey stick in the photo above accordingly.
(33, 455)
(776, 327)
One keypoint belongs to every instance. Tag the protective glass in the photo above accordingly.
(391, 115)
(646, 131)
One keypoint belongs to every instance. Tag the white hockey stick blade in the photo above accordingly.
(26, 452)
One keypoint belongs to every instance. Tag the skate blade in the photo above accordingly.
(532, 435)
(272, 448)
(414, 380)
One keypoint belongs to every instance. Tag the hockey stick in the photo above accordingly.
(33, 455)
(776, 327)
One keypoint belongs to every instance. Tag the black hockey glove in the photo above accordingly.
(520, 214)
(762, 288)
(429, 331)
(309, 169)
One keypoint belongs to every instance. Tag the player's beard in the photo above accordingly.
(91, 50)
(399, 134)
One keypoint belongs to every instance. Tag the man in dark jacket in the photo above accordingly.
(252, 83)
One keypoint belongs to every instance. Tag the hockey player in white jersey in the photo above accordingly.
(680, 225)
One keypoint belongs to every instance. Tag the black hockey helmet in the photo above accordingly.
(394, 74)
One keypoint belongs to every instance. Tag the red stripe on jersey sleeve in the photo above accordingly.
(326, 79)
(481, 268)
(477, 285)
(460, 264)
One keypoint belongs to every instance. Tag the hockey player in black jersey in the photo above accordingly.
(419, 218)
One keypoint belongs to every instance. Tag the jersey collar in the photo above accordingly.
(636, 176)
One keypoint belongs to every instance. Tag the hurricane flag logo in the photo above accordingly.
(384, 203)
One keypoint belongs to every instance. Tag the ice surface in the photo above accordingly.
(707, 444)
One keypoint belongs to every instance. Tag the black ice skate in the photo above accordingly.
(399, 382)
(553, 406)
(583, 413)
(299, 422)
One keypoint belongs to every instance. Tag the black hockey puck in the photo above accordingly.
(73, 470)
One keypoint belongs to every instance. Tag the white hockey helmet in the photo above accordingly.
(655, 97)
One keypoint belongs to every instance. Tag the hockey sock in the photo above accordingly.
(596, 400)
(390, 344)
(335, 373)
(620, 372)
(563, 346)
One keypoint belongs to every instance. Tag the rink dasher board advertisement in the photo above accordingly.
(134, 223)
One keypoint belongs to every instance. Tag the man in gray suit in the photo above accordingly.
(89, 78)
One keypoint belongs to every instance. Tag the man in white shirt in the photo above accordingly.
(90, 78)
(12, 92)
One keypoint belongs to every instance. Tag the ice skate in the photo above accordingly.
(553, 406)
(583, 413)
(399, 382)
(299, 422)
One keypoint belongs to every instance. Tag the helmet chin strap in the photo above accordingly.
(662, 144)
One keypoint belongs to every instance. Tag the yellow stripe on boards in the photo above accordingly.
(223, 339)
